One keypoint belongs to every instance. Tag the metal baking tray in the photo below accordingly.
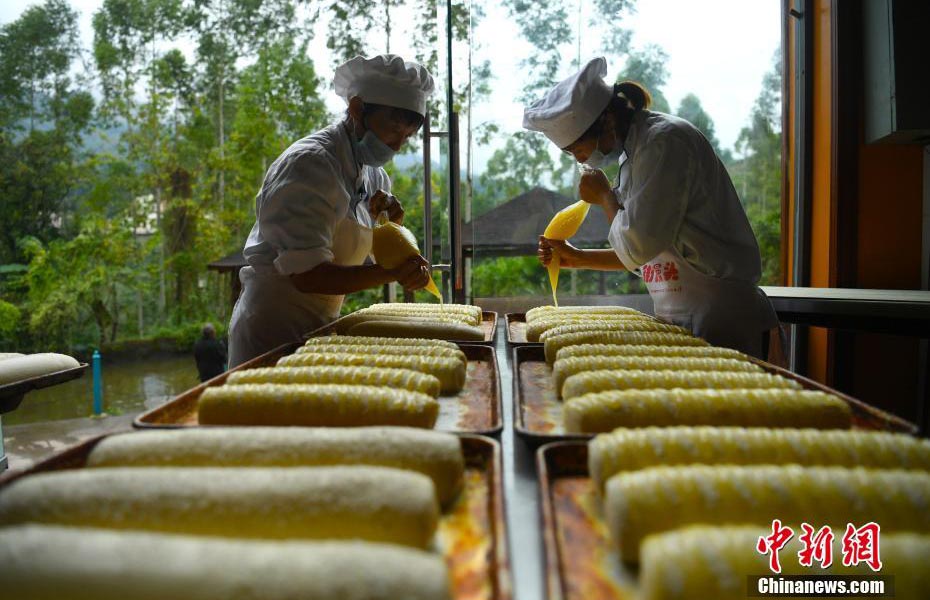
(516, 329)
(11, 394)
(476, 409)
(537, 410)
(581, 563)
(488, 324)
(472, 532)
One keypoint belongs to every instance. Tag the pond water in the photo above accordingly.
(128, 387)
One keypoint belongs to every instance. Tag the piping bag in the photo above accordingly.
(392, 244)
(563, 225)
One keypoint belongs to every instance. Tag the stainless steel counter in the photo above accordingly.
(524, 526)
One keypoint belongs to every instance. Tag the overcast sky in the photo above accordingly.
(718, 49)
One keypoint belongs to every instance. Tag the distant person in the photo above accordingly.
(210, 354)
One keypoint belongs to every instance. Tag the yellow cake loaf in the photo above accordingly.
(338, 340)
(550, 311)
(343, 502)
(386, 349)
(347, 322)
(421, 328)
(448, 370)
(716, 562)
(312, 405)
(647, 350)
(625, 325)
(651, 501)
(564, 368)
(554, 343)
(605, 411)
(544, 324)
(472, 314)
(405, 379)
(634, 449)
(588, 382)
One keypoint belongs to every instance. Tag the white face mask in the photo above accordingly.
(371, 151)
(598, 159)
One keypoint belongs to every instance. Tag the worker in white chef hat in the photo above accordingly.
(675, 218)
(316, 207)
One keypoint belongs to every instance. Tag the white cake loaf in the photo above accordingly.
(73, 563)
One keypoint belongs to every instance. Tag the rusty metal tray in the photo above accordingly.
(11, 394)
(581, 563)
(476, 409)
(488, 324)
(472, 532)
(537, 411)
(516, 330)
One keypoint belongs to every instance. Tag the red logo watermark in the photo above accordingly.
(859, 545)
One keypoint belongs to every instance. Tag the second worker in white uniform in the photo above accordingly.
(675, 217)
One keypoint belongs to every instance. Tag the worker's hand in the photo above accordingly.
(381, 202)
(413, 273)
(569, 256)
(595, 188)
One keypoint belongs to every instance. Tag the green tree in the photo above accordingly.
(278, 101)
(690, 109)
(523, 163)
(647, 66)
(36, 53)
(615, 40)
(509, 276)
(228, 30)
(127, 36)
(526, 159)
(545, 25)
(43, 114)
(9, 323)
(76, 282)
(757, 174)
(350, 21)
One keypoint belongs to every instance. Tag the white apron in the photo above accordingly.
(728, 313)
(271, 311)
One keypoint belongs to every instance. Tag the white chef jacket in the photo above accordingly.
(306, 192)
(675, 193)
(312, 208)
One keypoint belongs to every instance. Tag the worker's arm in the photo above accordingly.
(330, 278)
(595, 189)
(571, 257)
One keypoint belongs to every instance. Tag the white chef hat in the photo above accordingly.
(385, 79)
(572, 106)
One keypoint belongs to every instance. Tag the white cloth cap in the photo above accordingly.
(571, 106)
(385, 79)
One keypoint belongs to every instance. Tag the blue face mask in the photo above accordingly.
(371, 151)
